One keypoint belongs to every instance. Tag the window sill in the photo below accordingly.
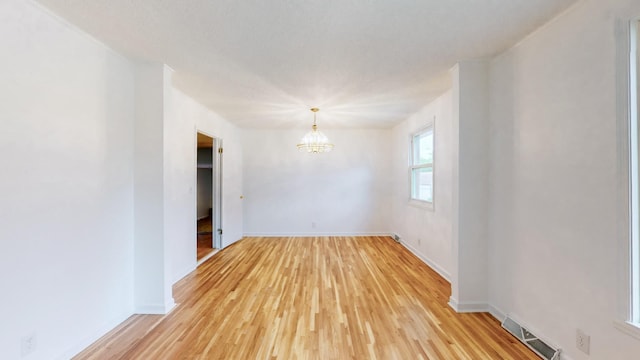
(421, 204)
(628, 328)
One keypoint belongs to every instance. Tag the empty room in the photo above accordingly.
(217, 179)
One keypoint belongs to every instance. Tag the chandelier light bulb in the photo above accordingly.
(315, 141)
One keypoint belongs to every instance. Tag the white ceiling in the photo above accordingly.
(364, 63)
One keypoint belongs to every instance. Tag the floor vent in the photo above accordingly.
(396, 237)
(538, 346)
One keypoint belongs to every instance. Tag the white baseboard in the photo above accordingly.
(207, 257)
(468, 306)
(100, 332)
(184, 272)
(432, 264)
(497, 313)
(156, 309)
(316, 234)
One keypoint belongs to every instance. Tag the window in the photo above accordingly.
(421, 166)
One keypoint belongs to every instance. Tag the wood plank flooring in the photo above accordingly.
(204, 245)
(311, 298)
(205, 238)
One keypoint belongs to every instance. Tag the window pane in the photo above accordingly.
(422, 184)
(423, 148)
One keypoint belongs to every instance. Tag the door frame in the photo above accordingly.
(216, 193)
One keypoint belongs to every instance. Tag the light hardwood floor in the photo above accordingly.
(311, 298)
(205, 238)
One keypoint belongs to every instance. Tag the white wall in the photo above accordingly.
(187, 118)
(345, 191)
(470, 163)
(66, 139)
(553, 214)
(66, 216)
(426, 232)
(67, 153)
(152, 268)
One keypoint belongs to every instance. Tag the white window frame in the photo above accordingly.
(415, 201)
(628, 318)
(634, 193)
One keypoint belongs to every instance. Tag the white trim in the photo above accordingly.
(422, 204)
(261, 234)
(208, 256)
(632, 140)
(624, 30)
(628, 328)
(430, 263)
(218, 204)
(468, 306)
(155, 309)
(184, 272)
(453, 303)
(497, 313)
(217, 192)
(429, 126)
(95, 335)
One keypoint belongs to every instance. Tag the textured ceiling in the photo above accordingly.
(365, 63)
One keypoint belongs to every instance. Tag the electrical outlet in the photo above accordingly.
(419, 241)
(582, 341)
(313, 225)
(28, 343)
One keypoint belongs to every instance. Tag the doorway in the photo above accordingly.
(208, 196)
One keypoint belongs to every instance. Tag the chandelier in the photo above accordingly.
(315, 141)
